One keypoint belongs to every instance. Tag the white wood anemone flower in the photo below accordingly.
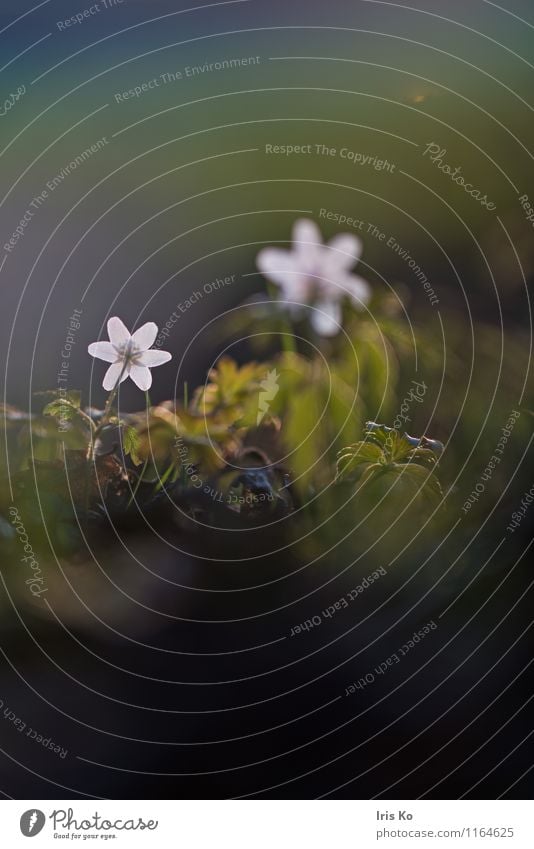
(318, 275)
(129, 354)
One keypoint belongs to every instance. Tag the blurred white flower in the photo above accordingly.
(129, 354)
(316, 274)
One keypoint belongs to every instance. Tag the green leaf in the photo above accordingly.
(61, 408)
(423, 479)
(131, 443)
(362, 453)
(66, 406)
(424, 456)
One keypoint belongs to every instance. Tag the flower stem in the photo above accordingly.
(104, 420)
(95, 433)
(289, 344)
(112, 395)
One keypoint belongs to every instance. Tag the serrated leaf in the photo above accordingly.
(360, 454)
(60, 409)
(131, 444)
(423, 478)
(65, 407)
(230, 386)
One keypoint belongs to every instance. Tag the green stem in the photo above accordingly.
(87, 419)
(112, 395)
(104, 420)
(95, 433)
(289, 344)
(165, 476)
(137, 484)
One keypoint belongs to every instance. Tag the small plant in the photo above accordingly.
(257, 438)
(392, 459)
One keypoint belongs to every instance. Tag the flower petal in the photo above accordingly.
(283, 268)
(358, 289)
(141, 376)
(296, 288)
(118, 333)
(103, 351)
(144, 338)
(112, 375)
(307, 232)
(326, 318)
(153, 358)
(346, 249)
(275, 261)
(311, 256)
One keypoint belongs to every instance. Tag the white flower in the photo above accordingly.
(317, 274)
(129, 354)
